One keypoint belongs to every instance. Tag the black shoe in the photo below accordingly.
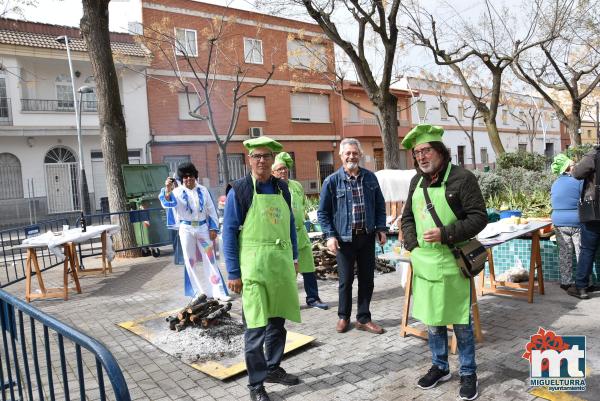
(580, 293)
(433, 377)
(279, 375)
(468, 387)
(593, 288)
(259, 394)
(566, 286)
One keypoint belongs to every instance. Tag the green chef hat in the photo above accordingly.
(560, 163)
(423, 133)
(262, 142)
(283, 158)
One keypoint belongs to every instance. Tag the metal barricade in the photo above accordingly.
(42, 358)
(12, 264)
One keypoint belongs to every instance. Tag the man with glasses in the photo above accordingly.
(306, 263)
(198, 227)
(260, 248)
(441, 295)
(351, 214)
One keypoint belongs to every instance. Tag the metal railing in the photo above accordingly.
(44, 359)
(57, 105)
(5, 111)
(12, 264)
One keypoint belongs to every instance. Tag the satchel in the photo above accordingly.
(470, 257)
(589, 209)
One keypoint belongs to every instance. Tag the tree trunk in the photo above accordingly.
(388, 123)
(574, 123)
(224, 163)
(492, 129)
(94, 27)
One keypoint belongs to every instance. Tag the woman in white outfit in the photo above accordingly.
(198, 228)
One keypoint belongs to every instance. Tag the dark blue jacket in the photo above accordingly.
(335, 205)
(564, 195)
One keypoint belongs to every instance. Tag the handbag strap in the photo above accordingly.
(596, 179)
(435, 217)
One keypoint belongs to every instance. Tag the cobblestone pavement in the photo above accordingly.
(351, 366)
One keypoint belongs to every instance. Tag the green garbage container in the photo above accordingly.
(143, 183)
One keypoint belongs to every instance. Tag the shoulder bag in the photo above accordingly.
(470, 257)
(589, 209)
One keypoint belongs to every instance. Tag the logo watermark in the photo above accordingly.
(556, 362)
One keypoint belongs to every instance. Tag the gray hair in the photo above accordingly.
(350, 141)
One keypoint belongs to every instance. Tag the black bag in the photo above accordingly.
(589, 209)
(470, 257)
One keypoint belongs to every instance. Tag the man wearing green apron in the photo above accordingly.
(441, 295)
(306, 263)
(260, 249)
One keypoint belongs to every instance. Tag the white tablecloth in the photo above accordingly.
(55, 242)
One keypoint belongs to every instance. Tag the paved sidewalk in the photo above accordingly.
(351, 366)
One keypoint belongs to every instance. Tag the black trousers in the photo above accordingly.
(361, 251)
(260, 361)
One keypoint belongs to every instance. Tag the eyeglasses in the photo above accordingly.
(423, 152)
(281, 169)
(264, 156)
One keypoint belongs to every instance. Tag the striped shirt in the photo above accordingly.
(358, 201)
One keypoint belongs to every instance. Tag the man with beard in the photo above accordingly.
(441, 295)
(352, 214)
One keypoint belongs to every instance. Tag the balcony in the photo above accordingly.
(367, 127)
(56, 106)
(5, 111)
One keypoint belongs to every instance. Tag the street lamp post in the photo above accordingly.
(84, 201)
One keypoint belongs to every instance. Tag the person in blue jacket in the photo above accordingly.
(564, 195)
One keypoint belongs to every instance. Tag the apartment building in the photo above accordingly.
(524, 122)
(359, 122)
(38, 136)
(296, 107)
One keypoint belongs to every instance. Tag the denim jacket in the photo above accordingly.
(335, 205)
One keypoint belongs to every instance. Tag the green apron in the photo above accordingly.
(306, 263)
(441, 295)
(266, 262)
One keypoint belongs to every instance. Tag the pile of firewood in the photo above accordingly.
(201, 312)
(326, 264)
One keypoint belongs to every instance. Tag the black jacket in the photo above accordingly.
(465, 199)
(244, 190)
(586, 170)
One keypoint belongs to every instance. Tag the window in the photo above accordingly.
(504, 116)
(522, 118)
(421, 109)
(310, 107)
(589, 133)
(64, 93)
(461, 155)
(237, 168)
(353, 113)
(12, 180)
(256, 109)
(484, 155)
(89, 101)
(444, 110)
(461, 112)
(185, 42)
(522, 147)
(307, 55)
(185, 108)
(174, 161)
(253, 52)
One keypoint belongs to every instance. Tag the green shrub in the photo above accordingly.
(575, 153)
(489, 182)
(526, 160)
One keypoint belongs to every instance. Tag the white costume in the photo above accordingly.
(196, 214)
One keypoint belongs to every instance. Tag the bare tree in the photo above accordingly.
(376, 32)
(15, 7)
(478, 52)
(565, 70)
(199, 74)
(94, 27)
(529, 116)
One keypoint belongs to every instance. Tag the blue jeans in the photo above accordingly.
(310, 287)
(590, 239)
(438, 344)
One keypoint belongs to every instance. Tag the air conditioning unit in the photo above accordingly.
(255, 132)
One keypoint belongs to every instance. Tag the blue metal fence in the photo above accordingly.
(45, 359)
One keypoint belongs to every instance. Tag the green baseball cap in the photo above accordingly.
(422, 133)
(263, 142)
